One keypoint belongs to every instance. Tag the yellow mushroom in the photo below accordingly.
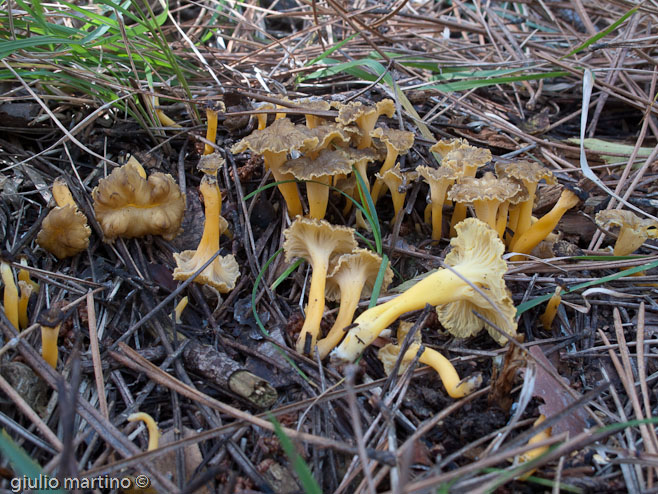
(476, 257)
(551, 309)
(352, 277)
(397, 142)
(223, 272)
(545, 225)
(151, 425)
(439, 180)
(444, 146)
(24, 275)
(633, 230)
(10, 294)
(50, 321)
(26, 292)
(536, 452)
(455, 387)
(211, 132)
(316, 241)
(397, 182)
(365, 117)
(180, 307)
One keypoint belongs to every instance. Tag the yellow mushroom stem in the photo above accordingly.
(437, 196)
(151, 425)
(10, 294)
(459, 213)
(26, 291)
(316, 302)
(180, 307)
(537, 452)
(24, 275)
(280, 115)
(514, 212)
(453, 385)
(165, 121)
(543, 226)
(391, 156)
(273, 161)
(362, 167)
(49, 350)
(525, 210)
(318, 196)
(209, 243)
(211, 133)
(485, 210)
(501, 218)
(551, 309)
(439, 288)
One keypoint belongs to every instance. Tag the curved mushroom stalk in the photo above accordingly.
(26, 292)
(536, 452)
(10, 294)
(543, 226)
(151, 426)
(551, 310)
(633, 230)
(476, 257)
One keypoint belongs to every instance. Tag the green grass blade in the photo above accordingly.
(370, 212)
(377, 287)
(331, 49)
(286, 273)
(309, 484)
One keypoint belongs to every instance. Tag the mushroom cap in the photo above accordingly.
(307, 236)
(358, 263)
(444, 146)
(221, 274)
(127, 205)
(401, 140)
(522, 195)
(326, 134)
(327, 163)
(211, 163)
(64, 232)
(526, 171)
(353, 110)
(313, 104)
(390, 353)
(368, 154)
(487, 188)
(281, 136)
(636, 229)
(441, 173)
(396, 176)
(477, 243)
(466, 156)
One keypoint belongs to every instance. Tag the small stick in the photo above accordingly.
(96, 355)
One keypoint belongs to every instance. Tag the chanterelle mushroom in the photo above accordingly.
(396, 181)
(10, 295)
(274, 143)
(476, 257)
(224, 270)
(365, 117)
(128, 205)
(397, 142)
(633, 230)
(444, 146)
(316, 241)
(64, 232)
(439, 180)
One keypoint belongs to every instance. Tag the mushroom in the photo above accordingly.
(23, 301)
(486, 194)
(444, 146)
(262, 117)
(365, 117)
(24, 275)
(180, 307)
(476, 257)
(274, 143)
(352, 277)
(551, 309)
(530, 174)
(503, 209)
(465, 160)
(633, 230)
(64, 231)
(396, 181)
(313, 104)
(316, 241)
(545, 225)
(10, 296)
(455, 387)
(211, 132)
(50, 321)
(151, 425)
(536, 452)
(397, 142)
(128, 205)
(223, 271)
(327, 134)
(361, 158)
(321, 169)
(439, 180)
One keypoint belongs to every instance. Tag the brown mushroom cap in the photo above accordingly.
(400, 140)
(210, 164)
(360, 263)
(64, 232)
(328, 163)
(431, 175)
(634, 231)
(467, 158)
(526, 171)
(281, 137)
(326, 134)
(476, 243)
(127, 205)
(444, 146)
(365, 117)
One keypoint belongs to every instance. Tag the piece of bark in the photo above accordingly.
(227, 373)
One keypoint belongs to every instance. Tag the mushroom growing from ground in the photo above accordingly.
(545, 225)
(128, 205)
(274, 143)
(486, 194)
(224, 270)
(455, 387)
(536, 452)
(439, 180)
(476, 257)
(64, 232)
(365, 117)
(550, 312)
(530, 174)
(50, 322)
(23, 301)
(444, 146)
(316, 241)
(352, 277)
(397, 182)
(397, 142)
(10, 296)
(320, 169)
(633, 230)
(151, 425)
(211, 132)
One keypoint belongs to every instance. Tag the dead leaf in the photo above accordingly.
(503, 380)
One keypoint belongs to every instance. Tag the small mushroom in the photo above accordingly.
(50, 322)
(465, 160)
(223, 272)
(262, 117)
(633, 230)
(545, 225)
(313, 104)
(128, 205)
(444, 146)
(274, 143)
(503, 209)
(550, 312)
(476, 257)
(211, 132)
(23, 301)
(397, 181)
(455, 387)
(316, 241)
(64, 231)
(439, 180)
(397, 142)
(352, 277)
(365, 117)
(530, 174)
(486, 194)
(536, 452)
(151, 426)
(321, 169)
(10, 296)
